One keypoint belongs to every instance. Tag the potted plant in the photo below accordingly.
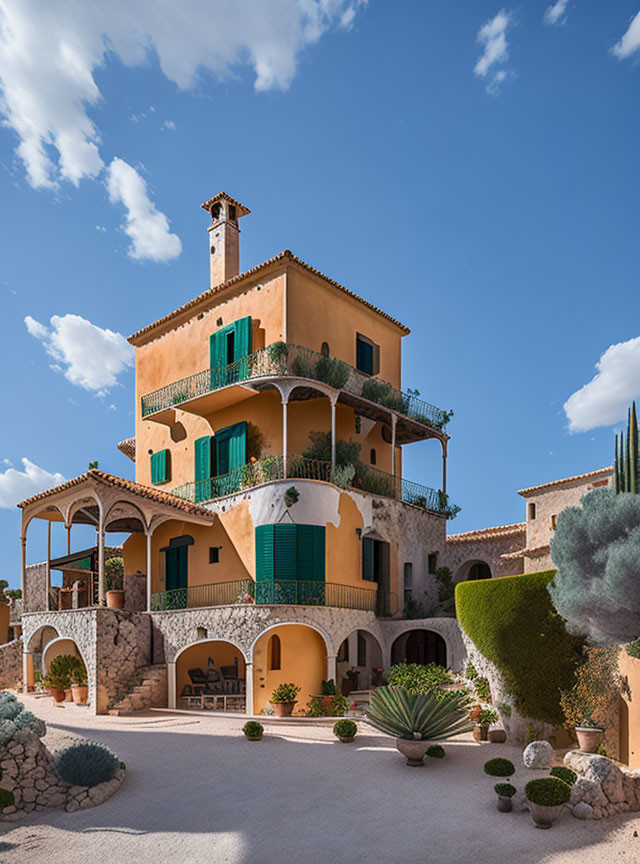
(58, 679)
(54, 684)
(596, 686)
(79, 687)
(113, 579)
(415, 719)
(505, 792)
(283, 699)
(253, 730)
(546, 798)
(345, 730)
(485, 719)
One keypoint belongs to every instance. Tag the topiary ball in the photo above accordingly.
(7, 730)
(436, 751)
(87, 763)
(548, 791)
(565, 774)
(499, 768)
(28, 720)
(505, 790)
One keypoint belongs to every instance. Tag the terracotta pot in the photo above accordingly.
(58, 695)
(504, 804)
(413, 751)
(481, 733)
(254, 737)
(475, 713)
(115, 599)
(283, 709)
(80, 693)
(543, 816)
(347, 740)
(497, 736)
(68, 695)
(589, 738)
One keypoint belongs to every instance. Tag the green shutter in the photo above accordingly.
(220, 375)
(231, 451)
(242, 347)
(286, 552)
(319, 553)
(264, 553)
(160, 467)
(311, 553)
(204, 455)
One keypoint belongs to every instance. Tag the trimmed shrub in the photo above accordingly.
(563, 773)
(6, 798)
(345, 729)
(417, 678)
(633, 649)
(505, 790)
(253, 729)
(483, 689)
(512, 622)
(7, 730)
(547, 791)
(487, 717)
(28, 720)
(87, 763)
(436, 752)
(9, 707)
(499, 768)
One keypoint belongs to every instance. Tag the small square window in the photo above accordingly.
(554, 521)
(532, 510)
(432, 562)
(408, 575)
(372, 456)
(214, 555)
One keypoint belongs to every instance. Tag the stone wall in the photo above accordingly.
(464, 549)
(36, 588)
(603, 788)
(11, 664)
(135, 592)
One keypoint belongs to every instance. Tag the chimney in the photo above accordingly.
(224, 236)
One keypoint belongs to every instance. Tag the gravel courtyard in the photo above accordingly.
(197, 791)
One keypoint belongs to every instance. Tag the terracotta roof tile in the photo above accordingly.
(208, 204)
(128, 448)
(600, 472)
(113, 481)
(138, 337)
(527, 553)
(488, 533)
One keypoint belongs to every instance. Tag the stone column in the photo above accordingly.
(48, 564)
(249, 684)
(171, 685)
(25, 670)
(149, 533)
(285, 436)
(332, 672)
(101, 595)
(23, 569)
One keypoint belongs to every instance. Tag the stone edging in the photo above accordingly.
(83, 797)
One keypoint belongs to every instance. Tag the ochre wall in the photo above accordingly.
(303, 657)
(5, 615)
(629, 746)
(197, 656)
(58, 649)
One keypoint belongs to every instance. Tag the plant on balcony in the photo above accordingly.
(278, 354)
(332, 371)
(302, 367)
(415, 719)
(181, 396)
(347, 452)
(383, 393)
(113, 574)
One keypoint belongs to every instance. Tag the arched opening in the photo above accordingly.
(303, 661)
(359, 662)
(274, 648)
(35, 648)
(61, 647)
(211, 675)
(419, 646)
(479, 570)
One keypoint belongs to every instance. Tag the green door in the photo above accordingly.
(227, 347)
(177, 576)
(231, 456)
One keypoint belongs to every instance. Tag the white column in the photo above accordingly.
(285, 436)
(332, 671)
(69, 540)
(171, 685)
(25, 669)
(23, 569)
(444, 467)
(101, 596)
(333, 434)
(394, 420)
(149, 533)
(48, 563)
(249, 684)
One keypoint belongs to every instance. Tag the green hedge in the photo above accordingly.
(512, 622)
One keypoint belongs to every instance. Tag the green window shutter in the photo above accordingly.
(231, 447)
(160, 472)
(286, 552)
(205, 456)
(242, 345)
(364, 356)
(265, 553)
(368, 559)
(319, 553)
(311, 553)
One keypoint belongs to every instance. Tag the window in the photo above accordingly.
(324, 350)
(367, 355)
(368, 559)
(160, 467)
(372, 456)
(554, 522)
(273, 652)
(532, 510)
(432, 562)
(362, 649)
(233, 217)
(343, 652)
(291, 553)
(358, 424)
(408, 580)
(214, 555)
(230, 347)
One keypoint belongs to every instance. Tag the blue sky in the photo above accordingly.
(470, 168)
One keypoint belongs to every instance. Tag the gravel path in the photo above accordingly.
(196, 791)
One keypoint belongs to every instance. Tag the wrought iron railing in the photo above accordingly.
(277, 592)
(283, 359)
(358, 476)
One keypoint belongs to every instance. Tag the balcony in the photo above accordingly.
(278, 592)
(359, 477)
(214, 389)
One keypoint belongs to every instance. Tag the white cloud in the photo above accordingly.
(493, 36)
(168, 126)
(89, 356)
(556, 13)
(630, 42)
(50, 51)
(17, 485)
(605, 399)
(146, 226)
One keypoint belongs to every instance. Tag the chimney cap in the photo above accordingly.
(222, 196)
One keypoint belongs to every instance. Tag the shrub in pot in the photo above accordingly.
(114, 582)
(546, 798)
(253, 730)
(485, 719)
(505, 792)
(416, 719)
(345, 730)
(597, 684)
(284, 699)
(79, 687)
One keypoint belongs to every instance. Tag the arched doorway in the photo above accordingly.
(479, 570)
(302, 661)
(61, 647)
(35, 648)
(211, 675)
(419, 646)
(359, 663)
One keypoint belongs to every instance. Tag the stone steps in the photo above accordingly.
(149, 691)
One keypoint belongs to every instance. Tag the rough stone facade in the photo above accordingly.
(29, 773)
(488, 546)
(36, 588)
(135, 592)
(606, 788)
(11, 664)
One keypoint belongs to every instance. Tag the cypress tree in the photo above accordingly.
(632, 438)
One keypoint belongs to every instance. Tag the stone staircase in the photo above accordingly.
(149, 691)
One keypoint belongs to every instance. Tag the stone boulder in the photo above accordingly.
(538, 755)
(606, 787)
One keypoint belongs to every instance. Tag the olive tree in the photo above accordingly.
(596, 550)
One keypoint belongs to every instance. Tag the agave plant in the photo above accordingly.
(418, 716)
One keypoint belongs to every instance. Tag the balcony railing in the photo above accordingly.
(360, 476)
(278, 592)
(281, 360)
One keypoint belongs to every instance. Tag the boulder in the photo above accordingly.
(538, 755)
(582, 810)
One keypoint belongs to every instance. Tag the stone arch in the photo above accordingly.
(360, 652)
(77, 505)
(313, 626)
(210, 667)
(420, 645)
(59, 646)
(127, 508)
(36, 642)
(474, 568)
